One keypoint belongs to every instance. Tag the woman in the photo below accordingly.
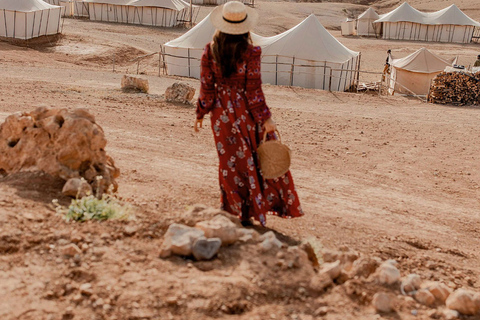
(231, 91)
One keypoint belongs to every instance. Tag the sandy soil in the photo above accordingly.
(391, 177)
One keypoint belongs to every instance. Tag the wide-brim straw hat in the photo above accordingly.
(234, 18)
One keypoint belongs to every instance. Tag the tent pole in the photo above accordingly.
(14, 22)
(358, 68)
(291, 72)
(191, 14)
(276, 69)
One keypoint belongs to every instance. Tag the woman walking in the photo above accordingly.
(231, 92)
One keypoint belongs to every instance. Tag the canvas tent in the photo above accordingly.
(446, 25)
(162, 13)
(366, 25)
(412, 74)
(27, 19)
(73, 8)
(308, 56)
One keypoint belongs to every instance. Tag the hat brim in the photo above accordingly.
(216, 17)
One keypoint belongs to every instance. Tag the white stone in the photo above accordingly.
(462, 301)
(332, 269)
(86, 289)
(269, 241)
(387, 273)
(134, 83)
(179, 240)
(219, 227)
(382, 302)
(451, 314)
(320, 281)
(411, 283)
(363, 267)
(77, 188)
(70, 250)
(246, 235)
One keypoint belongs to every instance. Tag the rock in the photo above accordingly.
(295, 257)
(86, 289)
(312, 256)
(332, 269)
(411, 283)
(134, 84)
(219, 227)
(70, 250)
(440, 291)
(434, 314)
(246, 235)
(462, 301)
(343, 277)
(363, 267)
(179, 92)
(77, 188)
(451, 314)
(62, 143)
(425, 297)
(320, 282)
(321, 311)
(387, 273)
(269, 241)
(130, 231)
(382, 302)
(179, 240)
(206, 249)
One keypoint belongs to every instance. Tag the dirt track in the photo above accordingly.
(385, 176)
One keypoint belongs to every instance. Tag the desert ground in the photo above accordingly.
(383, 176)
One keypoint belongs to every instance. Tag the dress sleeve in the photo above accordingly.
(206, 97)
(255, 98)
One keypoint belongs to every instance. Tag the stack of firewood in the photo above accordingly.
(456, 88)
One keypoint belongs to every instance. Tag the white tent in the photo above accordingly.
(446, 25)
(308, 56)
(163, 13)
(73, 8)
(412, 74)
(110, 10)
(26, 19)
(365, 25)
(219, 2)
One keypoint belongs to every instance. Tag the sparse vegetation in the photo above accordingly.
(92, 208)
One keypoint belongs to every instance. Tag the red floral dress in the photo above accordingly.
(238, 111)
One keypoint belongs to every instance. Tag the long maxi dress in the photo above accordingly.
(238, 111)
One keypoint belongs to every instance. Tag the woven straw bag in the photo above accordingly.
(274, 157)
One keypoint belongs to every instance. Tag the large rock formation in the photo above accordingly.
(63, 143)
(180, 92)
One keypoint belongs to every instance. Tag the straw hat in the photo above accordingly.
(234, 18)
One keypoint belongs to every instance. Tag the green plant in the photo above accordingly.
(92, 208)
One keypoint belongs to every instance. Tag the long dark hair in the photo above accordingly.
(228, 50)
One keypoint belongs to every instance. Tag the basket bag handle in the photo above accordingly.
(265, 136)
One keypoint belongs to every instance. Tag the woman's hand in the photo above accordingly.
(198, 123)
(270, 125)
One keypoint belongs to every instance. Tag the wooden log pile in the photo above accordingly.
(456, 88)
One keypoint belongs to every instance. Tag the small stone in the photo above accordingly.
(269, 242)
(312, 256)
(440, 291)
(320, 281)
(77, 188)
(77, 298)
(363, 267)
(134, 84)
(411, 283)
(463, 301)
(387, 273)
(434, 314)
(425, 297)
(246, 235)
(320, 312)
(451, 314)
(332, 269)
(179, 240)
(382, 302)
(130, 230)
(179, 92)
(70, 250)
(86, 289)
(171, 300)
(206, 249)
(220, 227)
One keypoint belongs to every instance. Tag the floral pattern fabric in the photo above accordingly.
(238, 111)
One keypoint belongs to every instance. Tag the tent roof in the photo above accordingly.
(450, 15)
(369, 14)
(308, 40)
(169, 4)
(117, 2)
(404, 12)
(200, 35)
(422, 61)
(25, 5)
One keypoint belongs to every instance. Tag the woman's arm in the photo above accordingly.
(206, 97)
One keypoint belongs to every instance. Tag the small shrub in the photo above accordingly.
(92, 208)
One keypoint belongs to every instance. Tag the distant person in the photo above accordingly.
(388, 61)
(231, 91)
(477, 63)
